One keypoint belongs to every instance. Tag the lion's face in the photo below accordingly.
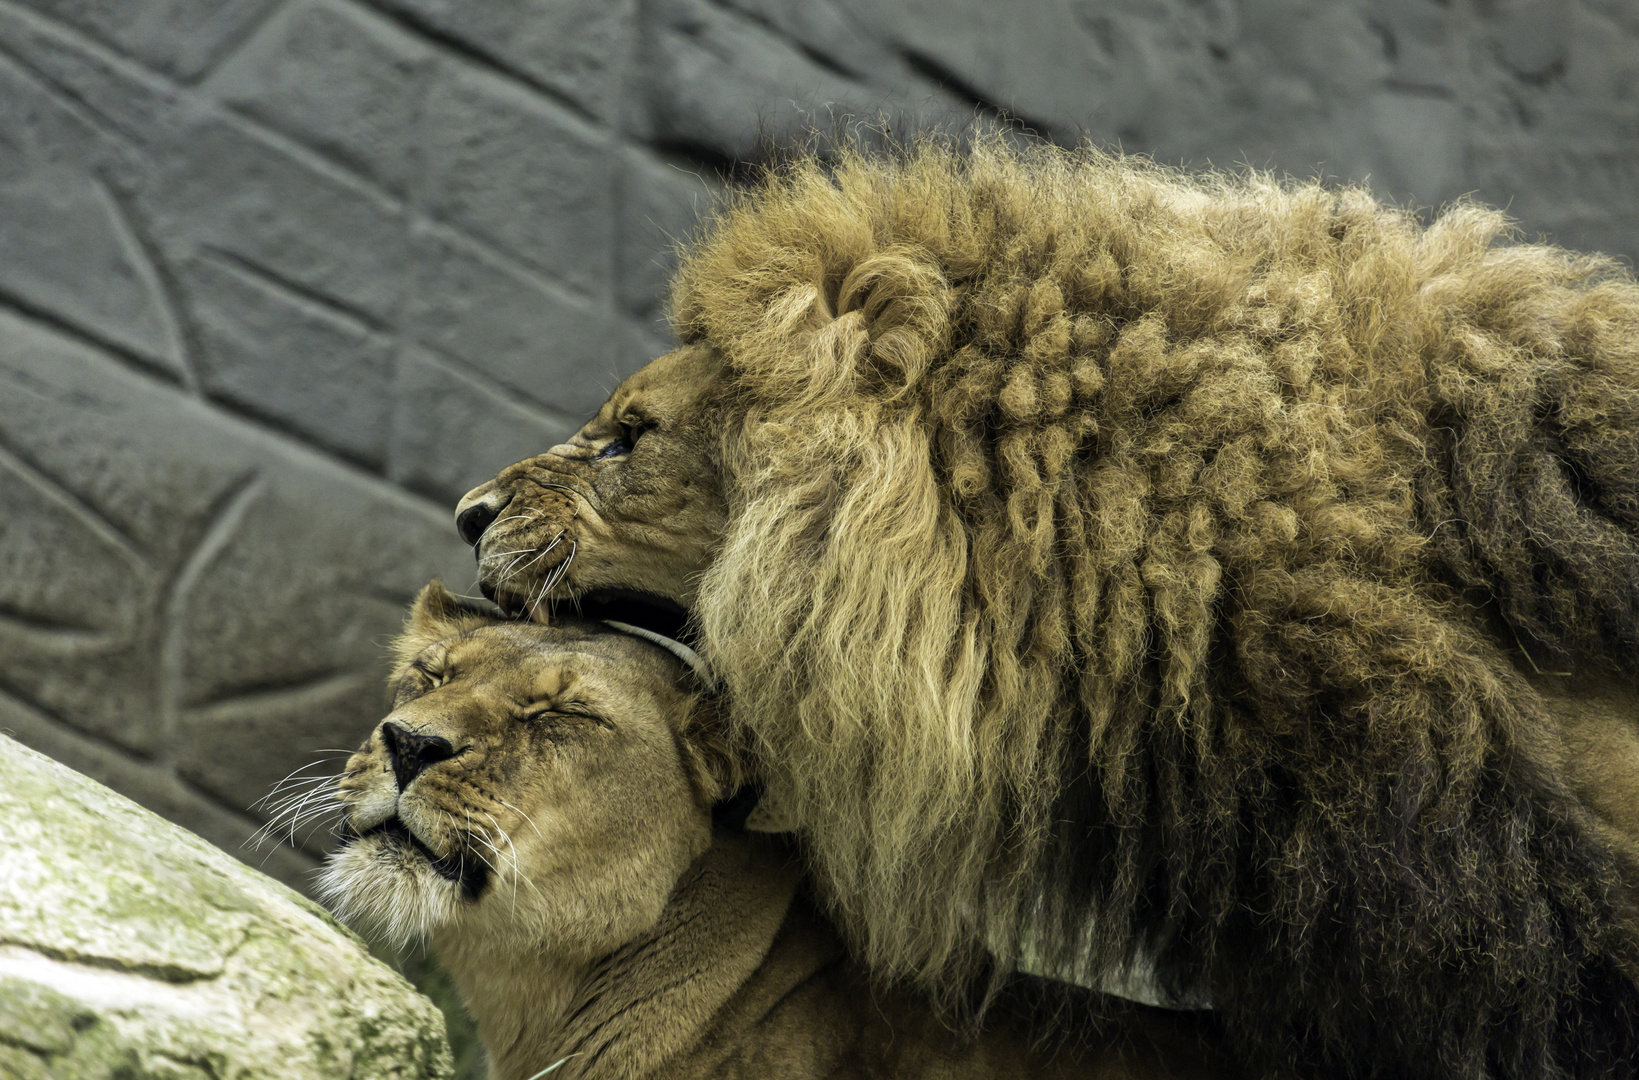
(530, 782)
(623, 516)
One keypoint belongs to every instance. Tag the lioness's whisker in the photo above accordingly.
(496, 852)
(291, 814)
(455, 831)
(310, 822)
(328, 802)
(287, 785)
(295, 774)
(299, 811)
(292, 808)
(513, 848)
(522, 816)
(472, 834)
(287, 801)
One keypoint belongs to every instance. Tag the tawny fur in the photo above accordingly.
(1104, 562)
(1124, 560)
(608, 930)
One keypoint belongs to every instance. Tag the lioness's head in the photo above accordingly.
(540, 783)
(622, 517)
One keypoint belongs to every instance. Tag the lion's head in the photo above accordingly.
(537, 784)
(625, 515)
(1098, 559)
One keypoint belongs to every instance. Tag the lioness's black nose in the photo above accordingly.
(472, 521)
(412, 753)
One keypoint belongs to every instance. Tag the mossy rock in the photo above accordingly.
(132, 949)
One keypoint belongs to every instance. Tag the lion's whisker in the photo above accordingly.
(519, 554)
(563, 567)
(506, 575)
(540, 593)
(542, 554)
(531, 515)
(503, 554)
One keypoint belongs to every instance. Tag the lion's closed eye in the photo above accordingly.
(632, 429)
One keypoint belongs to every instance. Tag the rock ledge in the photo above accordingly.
(131, 948)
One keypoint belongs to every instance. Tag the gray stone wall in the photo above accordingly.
(279, 279)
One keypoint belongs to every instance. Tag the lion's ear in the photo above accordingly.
(434, 616)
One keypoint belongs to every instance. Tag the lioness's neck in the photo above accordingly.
(627, 1013)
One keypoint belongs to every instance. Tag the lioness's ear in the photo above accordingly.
(719, 772)
(770, 815)
(713, 764)
(434, 616)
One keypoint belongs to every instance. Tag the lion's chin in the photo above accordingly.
(390, 889)
(656, 614)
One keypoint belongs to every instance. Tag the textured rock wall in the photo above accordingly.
(280, 278)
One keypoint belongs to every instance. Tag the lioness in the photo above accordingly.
(1102, 561)
(538, 804)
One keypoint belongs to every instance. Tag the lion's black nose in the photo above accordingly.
(412, 753)
(472, 521)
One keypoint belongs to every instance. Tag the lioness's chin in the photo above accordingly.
(386, 887)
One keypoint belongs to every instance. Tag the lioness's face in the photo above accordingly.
(625, 514)
(530, 782)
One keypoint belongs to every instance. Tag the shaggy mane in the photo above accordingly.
(1125, 561)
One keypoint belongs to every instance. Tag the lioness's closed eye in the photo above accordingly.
(538, 806)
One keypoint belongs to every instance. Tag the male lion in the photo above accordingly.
(1101, 561)
(539, 803)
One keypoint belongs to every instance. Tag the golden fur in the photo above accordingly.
(1103, 561)
(609, 930)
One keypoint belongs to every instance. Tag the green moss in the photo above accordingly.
(38, 1017)
(19, 1064)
